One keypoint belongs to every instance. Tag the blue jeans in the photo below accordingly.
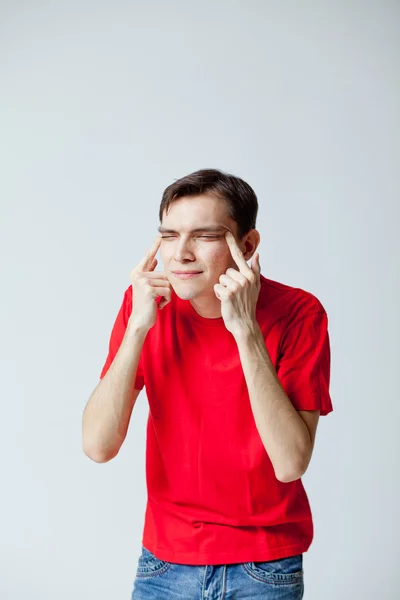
(157, 579)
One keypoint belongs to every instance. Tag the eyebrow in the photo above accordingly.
(210, 228)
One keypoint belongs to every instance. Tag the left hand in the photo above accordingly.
(238, 290)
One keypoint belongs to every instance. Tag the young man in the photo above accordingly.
(236, 368)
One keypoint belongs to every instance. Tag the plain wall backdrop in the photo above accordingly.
(102, 106)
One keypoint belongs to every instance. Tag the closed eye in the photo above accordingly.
(207, 237)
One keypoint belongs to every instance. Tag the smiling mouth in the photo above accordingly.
(187, 274)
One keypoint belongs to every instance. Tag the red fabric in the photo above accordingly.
(117, 335)
(213, 497)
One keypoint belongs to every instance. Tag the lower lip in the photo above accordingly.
(186, 275)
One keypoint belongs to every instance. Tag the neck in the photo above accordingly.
(208, 308)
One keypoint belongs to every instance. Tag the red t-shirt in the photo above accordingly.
(213, 497)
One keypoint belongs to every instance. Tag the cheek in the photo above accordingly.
(213, 252)
(219, 259)
(215, 256)
(164, 254)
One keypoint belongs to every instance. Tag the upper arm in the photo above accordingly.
(310, 418)
(135, 394)
(116, 337)
(127, 418)
(303, 366)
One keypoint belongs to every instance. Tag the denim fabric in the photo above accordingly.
(157, 579)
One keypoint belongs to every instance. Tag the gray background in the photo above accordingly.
(102, 106)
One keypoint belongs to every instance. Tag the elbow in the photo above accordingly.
(97, 456)
(296, 472)
(288, 478)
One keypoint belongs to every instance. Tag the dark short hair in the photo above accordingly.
(239, 196)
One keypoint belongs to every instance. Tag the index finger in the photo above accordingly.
(149, 256)
(237, 254)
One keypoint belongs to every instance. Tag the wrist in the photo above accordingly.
(135, 328)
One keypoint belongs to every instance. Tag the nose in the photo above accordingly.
(183, 251)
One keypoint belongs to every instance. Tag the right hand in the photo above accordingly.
(146, 286)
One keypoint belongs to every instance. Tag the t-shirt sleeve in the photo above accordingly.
(304, 364)
(116, 337)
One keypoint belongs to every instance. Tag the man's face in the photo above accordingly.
(186, 250)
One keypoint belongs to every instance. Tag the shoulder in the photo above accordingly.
(290, 304)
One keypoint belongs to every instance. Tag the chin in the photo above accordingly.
(185, 293)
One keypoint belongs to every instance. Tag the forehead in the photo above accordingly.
(198, 213)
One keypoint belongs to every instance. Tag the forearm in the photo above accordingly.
(283, 432)
(107, 413)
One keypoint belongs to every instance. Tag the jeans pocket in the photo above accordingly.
(283, 571)
(151, 566)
